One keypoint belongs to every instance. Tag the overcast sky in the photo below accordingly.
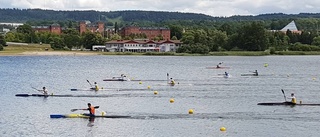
(209, 7)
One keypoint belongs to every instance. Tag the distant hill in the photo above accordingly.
(23, 15)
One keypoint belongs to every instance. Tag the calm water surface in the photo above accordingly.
(216, 101)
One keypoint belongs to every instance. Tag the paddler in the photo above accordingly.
(255, 73)
(91, 110)
(172, 82)
(219, 65)
(293, 99)
(226, 74)
(44, 91)
(96, 88)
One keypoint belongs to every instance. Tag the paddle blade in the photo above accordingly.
(73, 110)
(282, 91)
(96, 107)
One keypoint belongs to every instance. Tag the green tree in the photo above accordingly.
(216, 39)
(57, 43)
(2, 40)
(89, 39)
(116, 37)
(10, 36)
(176, 30)
(316, 41)
(174, 38)
(252, 37)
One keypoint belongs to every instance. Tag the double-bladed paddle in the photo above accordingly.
(73, 110)
(89, 83)
(284, 95)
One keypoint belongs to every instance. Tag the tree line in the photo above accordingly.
(244, 36)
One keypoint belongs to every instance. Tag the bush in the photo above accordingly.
(272, 50)
(194, 49)
(1, 47)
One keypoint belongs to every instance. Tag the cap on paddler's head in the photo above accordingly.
(89, 104)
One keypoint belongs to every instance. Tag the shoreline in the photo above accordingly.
(49, 53)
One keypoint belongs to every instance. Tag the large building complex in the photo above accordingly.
(150, 32)
(83, 27)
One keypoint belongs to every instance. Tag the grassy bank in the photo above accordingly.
(18, 49)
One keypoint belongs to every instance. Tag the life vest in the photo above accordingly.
(92, 110)
(294, 100)
(96, 87)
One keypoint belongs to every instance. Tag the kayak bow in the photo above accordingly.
(85, 116)
(286, 104)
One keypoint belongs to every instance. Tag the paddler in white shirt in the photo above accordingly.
(219, 65)
(44, 91)
(293, 99)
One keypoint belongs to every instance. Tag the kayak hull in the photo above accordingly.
(85, 116)
(53, 95)
(217, 68)
(249, 75)
(286, 104)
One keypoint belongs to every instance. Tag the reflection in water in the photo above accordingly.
(91, 122)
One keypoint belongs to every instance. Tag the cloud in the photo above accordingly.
(209, 7)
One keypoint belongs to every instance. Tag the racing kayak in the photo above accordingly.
(112, 89)
(286, 104)
(53, 95)
(93, 89)
(249, 75)
(217, 67)
(117, 79)
(85, 116)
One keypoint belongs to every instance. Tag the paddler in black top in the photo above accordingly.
(255, 73)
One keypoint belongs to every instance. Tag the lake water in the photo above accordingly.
(216, 101)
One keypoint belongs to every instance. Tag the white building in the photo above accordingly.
(143, 45)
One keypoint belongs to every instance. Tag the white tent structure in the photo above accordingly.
(291, 26)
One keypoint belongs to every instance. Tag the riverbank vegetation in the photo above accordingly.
(17, 49)
(205, 36)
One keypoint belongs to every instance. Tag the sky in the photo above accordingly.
(209, 7)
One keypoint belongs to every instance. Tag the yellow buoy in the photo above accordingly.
(103, 113)
(223, 129)
(313, 78)
(190, 111)
(155, 92)
(149, 87)
(171, 100)
(266, 64)
(140, 82)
